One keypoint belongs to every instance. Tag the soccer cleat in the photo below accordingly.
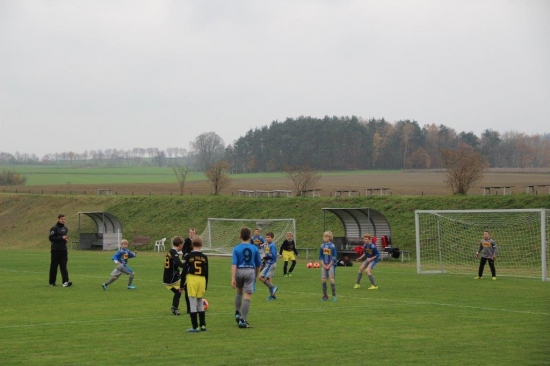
(289, 275)
(175, 311)
(334, 299)
(192, 330)
(272, 298)
(357, 286)
(104, 286)
(478, 278)
(67, 284)
(203, 328)
(494, 278)
(131, 287)
(373, 287)
(244, 324)
(237, 317)
(324, 298)
(285, 275)
(274, 290)
(52, 284)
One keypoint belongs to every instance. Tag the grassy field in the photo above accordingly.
(412, 319)
(161, 180)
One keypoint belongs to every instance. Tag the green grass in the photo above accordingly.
(412, 319)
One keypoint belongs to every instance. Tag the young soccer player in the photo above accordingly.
(172, 277)
(289, 252)
(370, 252)
(488, 250)
(327, 256)
(245, 266)
(270, 260)
(121, 260)
(188, 248)
(258, 241)
(196, 278)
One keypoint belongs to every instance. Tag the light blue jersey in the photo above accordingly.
(246, 255)
(270, 253)
(123, 255)
(328, 253)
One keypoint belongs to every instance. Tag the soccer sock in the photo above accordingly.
(333, 289)
(292, 267)
(238, 301)
(371, 278)
(131, 278)
(268, 284)
(194, 322)
(244, 308)
(176, 298)
(202, 319)
(359, 275)
(324, 288)
(110, 280)
(285, 267)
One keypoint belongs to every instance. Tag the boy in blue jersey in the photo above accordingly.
(259, 242)
(370, 251)
(270, 261)
(121, 260)
(327, 256)
(245, 266)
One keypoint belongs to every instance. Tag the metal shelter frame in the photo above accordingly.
(108, 231)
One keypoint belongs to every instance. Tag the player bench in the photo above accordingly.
(140, 241)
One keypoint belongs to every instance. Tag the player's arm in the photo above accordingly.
(233, 273)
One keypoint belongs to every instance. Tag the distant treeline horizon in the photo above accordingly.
(330, 143)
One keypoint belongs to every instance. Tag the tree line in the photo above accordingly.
(329, 143)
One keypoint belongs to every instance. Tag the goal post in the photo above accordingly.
(221, 235)
(447, 240)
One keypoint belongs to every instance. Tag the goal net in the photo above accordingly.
(447, 240)
(221, 235)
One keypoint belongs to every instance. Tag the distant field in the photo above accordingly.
(161, 180)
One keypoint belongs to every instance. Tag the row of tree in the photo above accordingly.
(331, 143)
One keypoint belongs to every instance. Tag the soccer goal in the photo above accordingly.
(447, 240)
(221, 235)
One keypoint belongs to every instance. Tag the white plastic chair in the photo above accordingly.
(159, 244)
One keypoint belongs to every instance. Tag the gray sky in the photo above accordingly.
(97, 74)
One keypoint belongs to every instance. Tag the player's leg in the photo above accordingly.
(493, 269)
(359, 276)
(481, 266)
(332, 283)
(63, 259)
(370, 267)
(54, 262)
(186, 295)
(193, 314)
(292, 258)
(285, 268)
(175, 300)
(248, 290)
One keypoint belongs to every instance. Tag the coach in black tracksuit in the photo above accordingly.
(58, 237)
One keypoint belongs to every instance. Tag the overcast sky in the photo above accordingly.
(80, 75)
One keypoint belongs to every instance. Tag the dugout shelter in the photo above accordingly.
(107, 234)
(357, 222)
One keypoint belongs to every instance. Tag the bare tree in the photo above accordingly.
(464, 168)
(302, 177)
(208, 148)
(181, 172)
(218, 175)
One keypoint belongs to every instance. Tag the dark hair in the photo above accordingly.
(177, 240)
(270, 234)
(196, 242)
(245, 233)
(60, 216)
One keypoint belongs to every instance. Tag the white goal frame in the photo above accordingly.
(225, 244)
(432, 237)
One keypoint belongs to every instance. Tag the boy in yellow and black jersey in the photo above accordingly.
(196, 277)
(173, 261)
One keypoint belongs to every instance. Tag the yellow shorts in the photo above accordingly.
(175, 285)
(196, 285)
(288, 255)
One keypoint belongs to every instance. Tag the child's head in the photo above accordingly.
(192, 232)
(289, 235)
(256, 232)
(269, 237)
(486, 234)
(245, 234)
(124, 243)
(327, 236)
(177, 242)
(196, 242)
(367, 238)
